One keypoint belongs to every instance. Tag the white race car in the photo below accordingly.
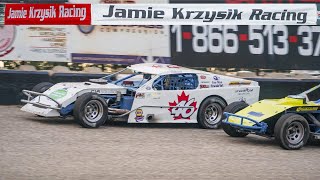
(153, 93)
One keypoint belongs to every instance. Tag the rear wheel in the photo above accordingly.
(42, 87)
(211, 112)
(90, 110)
(233, 108)
(292, 131)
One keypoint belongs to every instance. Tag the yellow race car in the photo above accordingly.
(292, 120)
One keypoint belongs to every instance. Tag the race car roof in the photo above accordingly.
(156, 68)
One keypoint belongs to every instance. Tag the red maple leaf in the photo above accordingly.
(182, 98)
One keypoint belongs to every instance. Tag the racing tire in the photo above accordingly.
(211, 112)
(292, 131)
(42, 87)
(233, 108)
(90, 110)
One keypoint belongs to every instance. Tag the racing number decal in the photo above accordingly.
(183, 113)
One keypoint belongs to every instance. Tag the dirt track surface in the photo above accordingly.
(38, 148)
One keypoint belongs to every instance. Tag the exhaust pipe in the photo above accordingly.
(150, 117)
(117, 111)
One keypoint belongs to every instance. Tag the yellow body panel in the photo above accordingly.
(265, 109)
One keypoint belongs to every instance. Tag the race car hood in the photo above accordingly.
(66, 94)
(265, 109)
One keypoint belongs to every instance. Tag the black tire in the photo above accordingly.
(211, 104)
(299, 134)
(233, 108)
(42, 87)
(96, 108)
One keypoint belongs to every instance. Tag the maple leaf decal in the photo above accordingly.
(183, 113)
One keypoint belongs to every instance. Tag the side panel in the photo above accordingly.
(151, 97)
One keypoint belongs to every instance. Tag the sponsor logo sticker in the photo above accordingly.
(58, 94)
(203, 77)
(232, 83)
(140, 95)
(139, 115)
(307, 109)
(216, 82)
(204, 86)
(257, 114)
(183, 112)
(244, 91)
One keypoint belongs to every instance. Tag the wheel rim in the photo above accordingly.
(212, 114)
(295, 132)
(93, 111)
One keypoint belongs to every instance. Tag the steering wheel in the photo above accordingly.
(158, 86)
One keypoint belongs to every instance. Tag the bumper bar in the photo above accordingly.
(257, 127)
(31, 95)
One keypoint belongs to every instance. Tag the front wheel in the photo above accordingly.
(292, 131)
(233, 108)
(211, 112)
(90, 110)
(42, 87)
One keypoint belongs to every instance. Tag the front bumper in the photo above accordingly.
(257, 127)
(39, 104)
(31, 95)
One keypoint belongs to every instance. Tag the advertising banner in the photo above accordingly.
(204, 14)
(122, 44)
(34, 43)
(50, 14)
(270, 47)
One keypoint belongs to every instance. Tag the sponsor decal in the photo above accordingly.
(204, 14)
(307, 109)
(257, 114)
(157, 66)
(216, 78)
(244, 91)
(203, 86)
(139, 115)
(58, 94)
(96, 91)
(70, 14)
(173, 66)
(154, 95)
(7, 37)
(232, 83)
(203, 77)
(216, 82)
(140, 95)
(183, 112)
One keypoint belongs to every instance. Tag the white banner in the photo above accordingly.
(123, 44)
(204, 14)
(34, 43)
